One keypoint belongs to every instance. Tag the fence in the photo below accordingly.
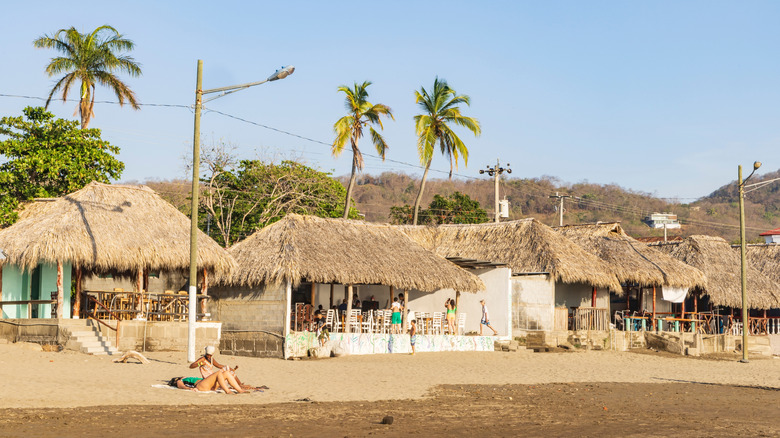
(561, 318)
(590, 318)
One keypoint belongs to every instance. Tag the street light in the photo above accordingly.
(745, 320)
(193, 280)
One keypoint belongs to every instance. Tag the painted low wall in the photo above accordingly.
(163, 335)
(298, 344)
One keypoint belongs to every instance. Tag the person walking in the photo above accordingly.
(485, 319)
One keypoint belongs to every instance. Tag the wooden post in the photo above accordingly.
(392, 293)
(204, 289)
(654, 322)
(593, 300)
(406, 311)
(696, 303)
(457, 302)
(331, 297)
(1, 291)
(349, 308)
(60, 292)
(146, 280)
(628, 299)
(682, 309)
(139, 279)
(313, 294)
(77, 302)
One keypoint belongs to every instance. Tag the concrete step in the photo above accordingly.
(99, 351)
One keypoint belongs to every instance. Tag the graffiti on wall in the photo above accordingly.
(297, 344)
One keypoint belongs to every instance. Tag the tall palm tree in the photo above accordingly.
(92, 59)
(440, 110)
(350, 127)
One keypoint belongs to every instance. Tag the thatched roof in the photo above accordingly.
(766, 258)
(308, 248)
(107, 227)
(632, 261)
(722, 266)
(525, 245)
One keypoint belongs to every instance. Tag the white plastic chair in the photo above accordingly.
(353, 321)
(436, 324)
(386, 317)
(461, 327)
(368, 322)
(329, 317)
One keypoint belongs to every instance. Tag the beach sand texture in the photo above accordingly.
(36, 379)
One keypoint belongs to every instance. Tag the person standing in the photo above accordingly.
(413, 334)
(396, 317)
(485, 319)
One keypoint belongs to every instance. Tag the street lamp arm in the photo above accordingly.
(760, 184)
(233, 88)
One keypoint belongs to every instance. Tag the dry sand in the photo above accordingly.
(68, 379)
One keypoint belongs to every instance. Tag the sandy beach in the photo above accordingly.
(349, 396)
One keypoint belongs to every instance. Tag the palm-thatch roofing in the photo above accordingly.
(722, 266)
(632, 261)
(308, 248)
(766, 258)
(106, 227)
(525, 245)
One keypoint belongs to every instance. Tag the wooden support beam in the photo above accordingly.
(139, 279)
(60, 291)
(313, 294)
(77, 298)
(593, 299)
(331, 297)
(654, 322)
(349, 308)
(392, 295)
(406, 311)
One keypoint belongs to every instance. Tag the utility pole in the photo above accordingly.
(560, 207)
(495, 172)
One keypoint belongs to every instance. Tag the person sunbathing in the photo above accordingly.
(208, 365)
(218, 380)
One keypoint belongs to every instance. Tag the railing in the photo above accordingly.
(561, 318)
(29, 304)
(94, 316)
(590, 318)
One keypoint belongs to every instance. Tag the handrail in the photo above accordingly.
(94, 316)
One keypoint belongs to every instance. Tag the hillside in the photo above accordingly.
(716, 214)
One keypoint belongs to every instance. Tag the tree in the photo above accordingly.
(440, 110)
(48, 157)
(244, 199)
(350, 127)
(457, 208)
(92, 59)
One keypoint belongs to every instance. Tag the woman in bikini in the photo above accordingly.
(450, 305)
(209, 366)
(220, 379)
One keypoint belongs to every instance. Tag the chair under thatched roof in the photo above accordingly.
(632, 261)
(525, 245)
(766, 258)
(308, 248)
(109, 228)
(722, 266)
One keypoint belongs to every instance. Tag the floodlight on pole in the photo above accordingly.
(742, 250)
(193, 277)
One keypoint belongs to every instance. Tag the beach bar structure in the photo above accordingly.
(651, 279)
(553, 285)
(127, 231)
(717, 304)
(301, 262)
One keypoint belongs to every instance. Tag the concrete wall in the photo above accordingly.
(18, 286)
(166, 280)
(533, 302)
(497, 295)
(162, 335)
(579, 295)
(252, 319)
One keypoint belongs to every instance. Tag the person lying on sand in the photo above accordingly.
(220, 379)
(208, 366)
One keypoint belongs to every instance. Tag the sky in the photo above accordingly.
(663, 97)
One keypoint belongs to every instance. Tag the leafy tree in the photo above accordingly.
(457, 208)
(440, 110)
(48, 157)
(240, 201)
(92, 59)
(350, 127)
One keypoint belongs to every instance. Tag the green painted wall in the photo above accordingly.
(17, 287)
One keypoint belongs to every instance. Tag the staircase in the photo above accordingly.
(86, 338)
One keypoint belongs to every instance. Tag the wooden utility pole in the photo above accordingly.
(496, 172)
(560, 207)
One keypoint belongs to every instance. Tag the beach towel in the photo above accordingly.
(218, 391)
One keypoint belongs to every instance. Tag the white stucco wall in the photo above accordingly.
(497, 295)
(533, 302)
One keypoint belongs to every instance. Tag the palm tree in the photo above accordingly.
(92, 59)
(440, 110)
(350, 127)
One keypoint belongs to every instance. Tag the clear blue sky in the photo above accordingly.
(666, 97)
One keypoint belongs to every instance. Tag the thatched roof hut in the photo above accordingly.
(722, 266)
(104, 227)
(525, 245)
(342, 251)
(766, 258)
(632, 261)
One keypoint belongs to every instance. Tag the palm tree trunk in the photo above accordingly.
(420, 193)
(350, 186)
